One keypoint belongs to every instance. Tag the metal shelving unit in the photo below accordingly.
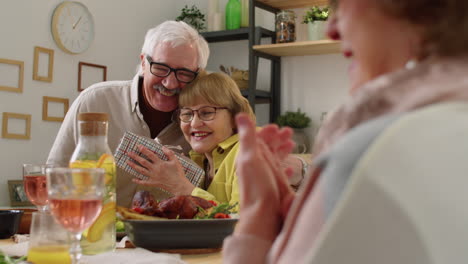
(254, 34)
(272, 52)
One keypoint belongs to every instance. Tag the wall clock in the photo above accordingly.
(72, 27)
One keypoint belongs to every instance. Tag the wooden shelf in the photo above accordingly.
(300, 48)
(286, 4)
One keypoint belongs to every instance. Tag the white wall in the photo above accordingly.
(313, 83)
(119, 31)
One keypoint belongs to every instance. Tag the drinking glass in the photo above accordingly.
(48, 243)
(35, 187)
(75, 200)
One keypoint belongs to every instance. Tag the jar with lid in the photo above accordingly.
(92, 151)
(285, 26)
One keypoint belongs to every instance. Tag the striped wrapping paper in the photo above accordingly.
(129, 143)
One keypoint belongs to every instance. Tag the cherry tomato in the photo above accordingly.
(138, 210)
(221, 216)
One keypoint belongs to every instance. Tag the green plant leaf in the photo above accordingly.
(296, 119)
(316, 13)
(193, 17)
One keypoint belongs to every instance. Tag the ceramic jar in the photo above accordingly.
(317, 30)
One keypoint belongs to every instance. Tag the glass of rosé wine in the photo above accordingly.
(75, 200)
(34, 182)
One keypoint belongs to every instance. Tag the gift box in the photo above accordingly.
(129, 143)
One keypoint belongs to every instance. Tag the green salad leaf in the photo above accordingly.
(210, 213)
(5, 259)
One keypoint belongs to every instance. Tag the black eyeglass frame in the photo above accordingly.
(151, 62)
(179, 111)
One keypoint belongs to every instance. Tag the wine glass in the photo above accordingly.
(75, 200)
(34, 182)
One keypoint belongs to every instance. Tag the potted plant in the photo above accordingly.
(193, 17)
(298, 121)
(316, 18)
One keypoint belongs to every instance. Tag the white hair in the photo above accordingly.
(177, 33)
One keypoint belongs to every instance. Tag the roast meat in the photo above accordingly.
(181, 207)
(144, 203)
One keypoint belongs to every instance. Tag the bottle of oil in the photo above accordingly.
(244, 13)
(92, 151)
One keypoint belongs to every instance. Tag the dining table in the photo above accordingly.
(213, 257)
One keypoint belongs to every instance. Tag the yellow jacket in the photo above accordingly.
(224, 187)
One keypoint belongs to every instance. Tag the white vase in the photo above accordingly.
(214, 16)
(302, 141)
(218, 19)
(317, 30)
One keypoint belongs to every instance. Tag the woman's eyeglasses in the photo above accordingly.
(205, 113)
(163, 70)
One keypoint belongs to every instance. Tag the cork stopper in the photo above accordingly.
(93, 124)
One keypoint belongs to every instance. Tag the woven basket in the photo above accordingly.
(241, 78)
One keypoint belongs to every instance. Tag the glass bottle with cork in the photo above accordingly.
(92, 151)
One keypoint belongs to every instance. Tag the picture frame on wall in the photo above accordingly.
(6, 133)
(39, 53)
(46, 100)
(9, 69)
(90, 73)
(17, 193)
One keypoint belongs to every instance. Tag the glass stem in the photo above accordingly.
(75, 249)
(42, 208)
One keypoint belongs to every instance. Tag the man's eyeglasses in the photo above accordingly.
(163, 70)
(205, 113)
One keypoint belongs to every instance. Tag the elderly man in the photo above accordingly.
(172, 55)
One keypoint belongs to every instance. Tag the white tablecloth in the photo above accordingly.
(121, 255)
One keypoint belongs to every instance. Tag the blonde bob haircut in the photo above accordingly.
(217, 89)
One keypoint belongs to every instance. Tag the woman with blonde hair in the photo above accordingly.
(207, 108)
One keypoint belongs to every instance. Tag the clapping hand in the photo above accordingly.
(265, 194)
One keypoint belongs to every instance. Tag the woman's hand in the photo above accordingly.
(280, 144)
(168, 175)
(277, 140)
(265, 194)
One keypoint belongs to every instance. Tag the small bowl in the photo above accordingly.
(10, 220)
